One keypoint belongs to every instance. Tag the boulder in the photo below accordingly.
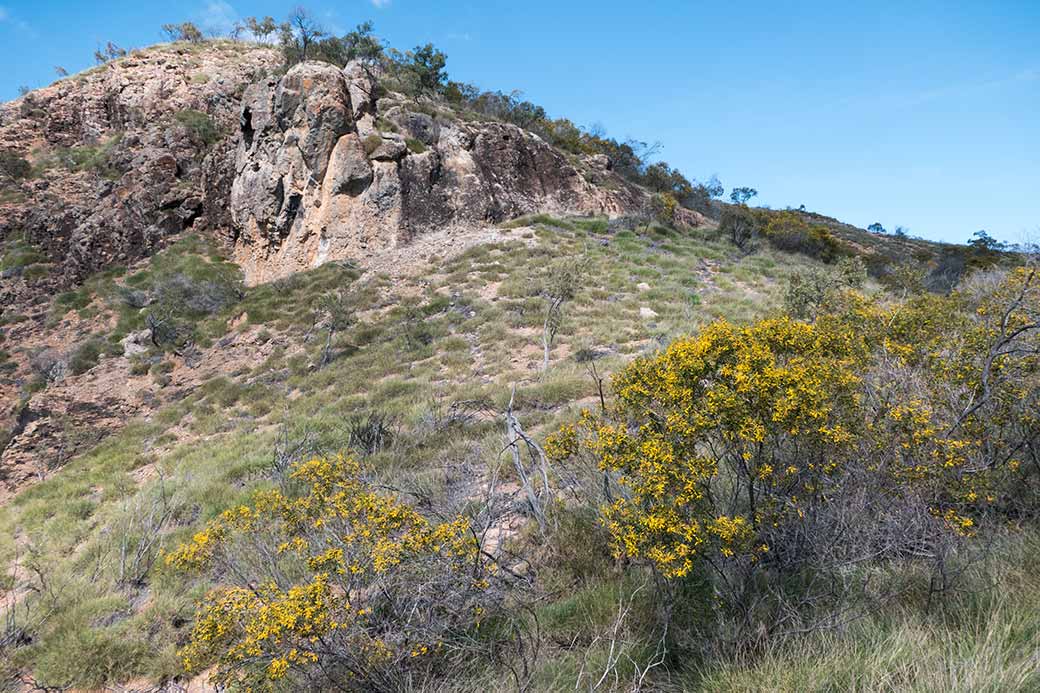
(136, 343)
(350, 172)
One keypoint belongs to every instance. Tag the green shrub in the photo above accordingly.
(739, 226)
(789, 231)
(199, 125)
(96, 157)
(86, 355)
(372, 143)
(18, 254)
(13, 165)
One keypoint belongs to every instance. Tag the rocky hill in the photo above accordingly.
(246, 306)
(284, 173)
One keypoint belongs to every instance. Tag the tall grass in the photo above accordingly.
(984, 639)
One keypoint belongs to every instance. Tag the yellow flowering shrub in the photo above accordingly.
(721, 403)
(333, 583)
(737, 438)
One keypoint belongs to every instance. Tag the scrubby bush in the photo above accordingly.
(815, 290)
(98, 157)
(185, 31)
(331, 583)
(783, 460)
(13, 165)
(789, 231)
(739, 226)
(180, 300)
(86, 355)
(372, 143)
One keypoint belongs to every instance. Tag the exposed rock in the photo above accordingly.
(305, 192)
(687, 217)
(393, 148)
(350, 173)
(362, 88)
(419, 126)
(136, 343)
(124, 173)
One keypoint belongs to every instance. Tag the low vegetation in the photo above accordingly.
(767, 453)
(840, 486)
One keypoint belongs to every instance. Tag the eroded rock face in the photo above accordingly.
(120, 165)
(317, 180)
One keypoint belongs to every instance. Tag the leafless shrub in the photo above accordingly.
(371, 432)
(560, 283)
(31, 600)
(139, 535)
(290, 449)
(621, 643)
(534, 472)
(333, 313)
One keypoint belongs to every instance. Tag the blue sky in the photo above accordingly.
(921, 114)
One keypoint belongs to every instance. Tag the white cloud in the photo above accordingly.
(381, 3)
(19, 24)
(218, 17)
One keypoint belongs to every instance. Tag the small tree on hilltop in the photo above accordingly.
(876, 227)
(740, 196)
(110, 52)
(360, 44)
(981, 240)
(299, 34)
(714, 187)
(185, 31)
(426, 67)
(260, 29)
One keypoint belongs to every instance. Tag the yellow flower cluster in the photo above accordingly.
(347, 539)
(739, 429)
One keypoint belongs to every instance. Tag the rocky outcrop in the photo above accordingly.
(325, 172)
(122, 154)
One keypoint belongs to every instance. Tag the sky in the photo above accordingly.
(913, 113)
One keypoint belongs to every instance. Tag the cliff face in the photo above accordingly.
(127, 154)
(291, 171)
(324, 170)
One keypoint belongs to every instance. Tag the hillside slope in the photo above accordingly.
(216, 269)
(128, 155)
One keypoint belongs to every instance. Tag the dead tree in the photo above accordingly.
(534, 474)
(141, 537)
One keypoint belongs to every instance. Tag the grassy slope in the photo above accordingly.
(470, 329)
